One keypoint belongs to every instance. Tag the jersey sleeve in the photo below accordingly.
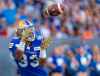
(12, 45)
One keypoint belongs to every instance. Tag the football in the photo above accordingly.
(55, 9)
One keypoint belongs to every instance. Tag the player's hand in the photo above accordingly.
(19, 54)
(21, 46)
(46, 43)
(20, 50)
(42, 61)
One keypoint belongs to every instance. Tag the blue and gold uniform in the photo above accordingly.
(29, 63)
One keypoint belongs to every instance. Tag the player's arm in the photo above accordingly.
(12, 47)
(44, 46)
(12, 50)
(43, 57)
(16, 48)
(20, 50)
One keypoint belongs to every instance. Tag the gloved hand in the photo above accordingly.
(20, 50)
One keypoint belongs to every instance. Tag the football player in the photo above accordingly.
(28, 50)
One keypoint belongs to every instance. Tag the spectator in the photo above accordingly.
(72, 64)
(87, 34)
(9, 12)
(3, 28)
(57, 62)
(95, 63)
(84, 59)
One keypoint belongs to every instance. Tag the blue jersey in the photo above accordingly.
(83, 62)
(13, 43)
(98, 1)
(58, 61)
(29, 65)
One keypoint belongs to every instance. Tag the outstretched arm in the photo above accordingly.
(44, 45)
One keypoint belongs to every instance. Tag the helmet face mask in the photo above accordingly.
(28, 34)
(26, 31)
(31, 38)
(19, 32)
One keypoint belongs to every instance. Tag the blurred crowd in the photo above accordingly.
(82, 19)
(83, 60)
